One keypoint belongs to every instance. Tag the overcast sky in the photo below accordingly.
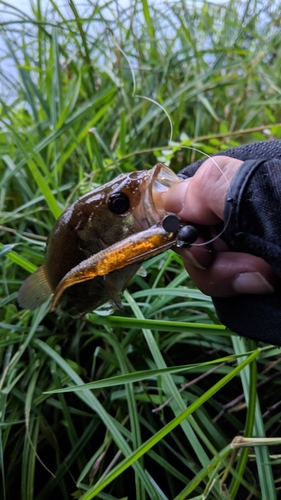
(25, 4)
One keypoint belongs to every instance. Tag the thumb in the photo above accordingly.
(201, 198)
(182, 200)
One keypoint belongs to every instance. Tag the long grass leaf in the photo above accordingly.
(168, 428)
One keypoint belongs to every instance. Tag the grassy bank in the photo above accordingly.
(171, 388)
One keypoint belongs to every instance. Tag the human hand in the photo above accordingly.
(200, 199)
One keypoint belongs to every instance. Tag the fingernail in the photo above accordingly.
(252, 283)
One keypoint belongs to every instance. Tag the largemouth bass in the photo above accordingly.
(100, 241)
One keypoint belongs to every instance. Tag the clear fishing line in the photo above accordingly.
(142, 96)
(228, 185)
(170, 142)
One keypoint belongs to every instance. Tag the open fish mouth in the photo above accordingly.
(161, 178)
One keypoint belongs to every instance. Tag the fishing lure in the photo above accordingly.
(100, 241)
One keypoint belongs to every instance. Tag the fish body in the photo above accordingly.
(83, 235)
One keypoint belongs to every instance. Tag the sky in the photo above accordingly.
(25, 4)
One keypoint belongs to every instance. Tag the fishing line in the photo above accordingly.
(142, 96)
(163, 109)
(208, 156)
(228, 185)
(129, 64)
(170, 142)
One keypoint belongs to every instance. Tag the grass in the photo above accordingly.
(161, 401)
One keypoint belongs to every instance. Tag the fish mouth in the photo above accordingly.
(161, 178)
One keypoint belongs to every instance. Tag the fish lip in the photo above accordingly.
(161, 178)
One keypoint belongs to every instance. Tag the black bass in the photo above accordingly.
(100, 241)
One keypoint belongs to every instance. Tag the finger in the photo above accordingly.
(184, 200)
(201, 198)
(232, 273)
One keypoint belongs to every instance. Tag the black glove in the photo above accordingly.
(253, 215)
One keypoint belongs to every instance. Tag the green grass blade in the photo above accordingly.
(168, 428)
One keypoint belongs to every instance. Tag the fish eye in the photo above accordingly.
(118, 203)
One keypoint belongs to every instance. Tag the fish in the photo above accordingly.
(99, 243)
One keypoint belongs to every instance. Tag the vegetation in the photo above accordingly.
(169, 388)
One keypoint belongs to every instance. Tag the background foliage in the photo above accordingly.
(178, 387)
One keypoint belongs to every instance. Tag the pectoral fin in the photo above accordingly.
(142, 272)
(35, 290)
(113, 292)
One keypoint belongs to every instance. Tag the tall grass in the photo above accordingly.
(144, 404)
